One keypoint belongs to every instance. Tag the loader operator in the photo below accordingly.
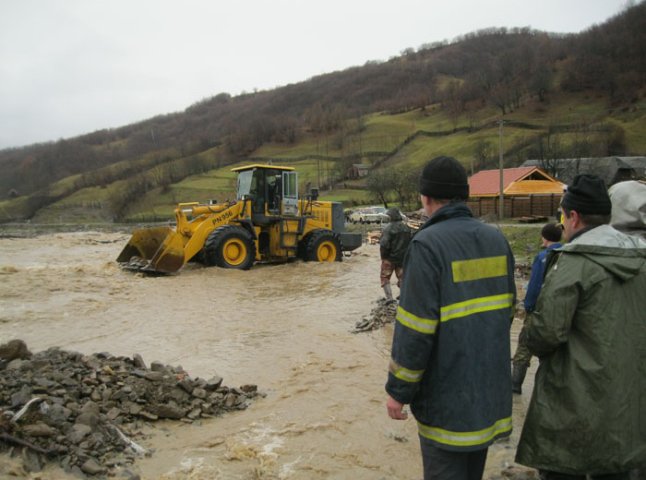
(451, 348)
(392, 248)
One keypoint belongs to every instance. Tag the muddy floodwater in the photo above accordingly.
(286, 328)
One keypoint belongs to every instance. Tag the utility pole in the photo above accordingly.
(501, 199)
(318, 164)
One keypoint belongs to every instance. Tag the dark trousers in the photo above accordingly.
(445, 465)
(545, 475)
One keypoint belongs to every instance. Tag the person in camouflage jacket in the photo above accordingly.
(393, 244)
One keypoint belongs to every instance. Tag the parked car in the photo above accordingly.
(369, 215)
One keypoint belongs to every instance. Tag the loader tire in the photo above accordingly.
(323, 246)
(230, 246)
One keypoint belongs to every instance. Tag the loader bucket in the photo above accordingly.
(158, 249)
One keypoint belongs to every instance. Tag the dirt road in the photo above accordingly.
(285, 328)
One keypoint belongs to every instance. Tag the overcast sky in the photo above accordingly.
(69, 67)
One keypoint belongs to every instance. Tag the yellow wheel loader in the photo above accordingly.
(267, 222)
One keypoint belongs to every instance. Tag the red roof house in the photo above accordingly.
(520, 181)
(527, 191)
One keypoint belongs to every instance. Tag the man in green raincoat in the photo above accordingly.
(587, 415)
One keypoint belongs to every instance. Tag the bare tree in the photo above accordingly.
(482, 154)
(380, 184)
(453, 101)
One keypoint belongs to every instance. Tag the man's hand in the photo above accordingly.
(395, 409)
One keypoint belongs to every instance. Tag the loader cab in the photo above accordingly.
(272, 190)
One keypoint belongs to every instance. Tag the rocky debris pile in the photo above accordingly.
(383, 313)
(82, 411)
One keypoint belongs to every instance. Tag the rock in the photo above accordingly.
(157, 367)
(194, 414)
(78, 433)
(58, 414)
(39, 429)
(154, 376)
(169, 411)
(519, 473)
(113, 413)
(44, 383)
(106, 395)
(187, 384)
(20, 397)
(213, 383)
(139, 362)
(16, 364)
(14, 349)
(148, 415)
(249, 388)
(92, 467)
(89, 415)
(31, 461)
(199, 393)
(230, 400)
(66, 463)
(96, 395)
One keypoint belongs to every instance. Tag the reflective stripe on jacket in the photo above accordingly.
(451, 348)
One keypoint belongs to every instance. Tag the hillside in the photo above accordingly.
(558, 96)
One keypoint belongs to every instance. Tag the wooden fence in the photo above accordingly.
(526, 206)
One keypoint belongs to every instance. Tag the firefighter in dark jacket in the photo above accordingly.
(451, 346)
(392, 248)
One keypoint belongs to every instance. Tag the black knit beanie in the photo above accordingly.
(552, 232)
(588, 195)
(444, 178)
(394, 214)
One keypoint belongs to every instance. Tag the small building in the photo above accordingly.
(610, 169)
(357, 170)
(527, 191)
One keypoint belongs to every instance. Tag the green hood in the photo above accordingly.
(620, 254)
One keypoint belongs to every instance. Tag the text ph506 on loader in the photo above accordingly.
(267, 222)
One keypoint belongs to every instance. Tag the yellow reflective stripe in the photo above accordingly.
(478, 268)
(419, 324)
(411, 376)
(476, 305)
(465, 439)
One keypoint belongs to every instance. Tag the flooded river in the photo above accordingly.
(285, 328)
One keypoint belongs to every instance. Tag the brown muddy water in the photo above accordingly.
(283, 327)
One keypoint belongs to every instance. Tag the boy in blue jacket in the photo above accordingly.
(551, 237)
